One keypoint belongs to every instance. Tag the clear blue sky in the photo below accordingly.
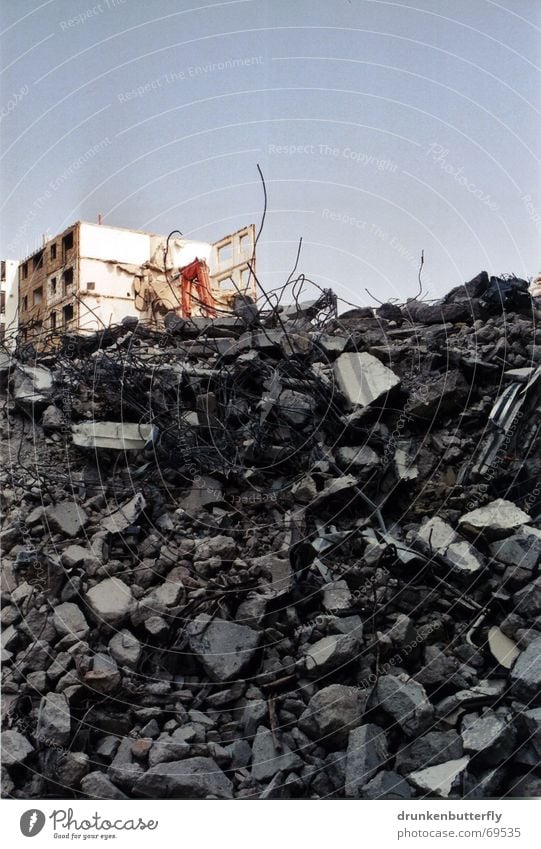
(382, 128)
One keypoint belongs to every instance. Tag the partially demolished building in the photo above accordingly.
(91, 276)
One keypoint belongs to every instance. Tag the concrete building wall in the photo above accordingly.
(48, 281)
(113, 244)
(9, 301)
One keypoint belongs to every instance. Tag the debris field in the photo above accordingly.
(277, 554)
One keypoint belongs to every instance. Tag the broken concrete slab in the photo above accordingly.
(337, 596)
(68, 618)
(126, 649)
(110, 601)
(433, 748)
(96, 785)
(366, 753)
(362, 379)
(192, 778)
(268, 758)
(441, 780)
(490, 736)
(224, 649)
(406, 702)
(358, 458)
(387, 785)
(117, 436)
(525, 676)
(54, 720)
(330, 653)
(332, 712)
(437, 536)
(66, 517)
(500, 518)
(15, 748)
(125, 516)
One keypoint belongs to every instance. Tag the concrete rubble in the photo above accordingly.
(277, 554)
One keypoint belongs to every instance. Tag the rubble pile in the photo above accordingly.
(277, 554)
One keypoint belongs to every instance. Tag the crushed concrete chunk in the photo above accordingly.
(440, 780)
(366, 754)
(224, 649)
(110, 601)
(363, 379)
(498, 519)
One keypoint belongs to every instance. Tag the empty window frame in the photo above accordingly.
(67, 244)
(67, 314)
(225, 253)
(67, 280)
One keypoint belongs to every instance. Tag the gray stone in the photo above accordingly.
(69, 619)
(110, 601)
(527, 601)
(484, 785)
(104, 676)
(52, 419)
(15, 748)
(72, 768)
(125, 516)
(67, 517)
(525, 676)
(96, 785)
(241, 754)
(253, 715)
(485, 692)
(387, 785)
(295, 407)
(436, 535)
(125, 648)
(251, 611)
(406, 701)
(440, 780)
(491, 736)
(336, 596)
(305, 490)
(332, 713)
(362, 379)
(78, 555)
(167, 749)
(218, 546)
(193, 778)
(156, 626)
(358, 458)
(403, 631)
(366, 754)
(330, 653)
(160, 601)
(433, 748)
(54, 720)
(32, 386)
(267, 760)
(530, 721)
(518, 550)
(494, 521)
(439, 396)
(224, 649)
(525, 787)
